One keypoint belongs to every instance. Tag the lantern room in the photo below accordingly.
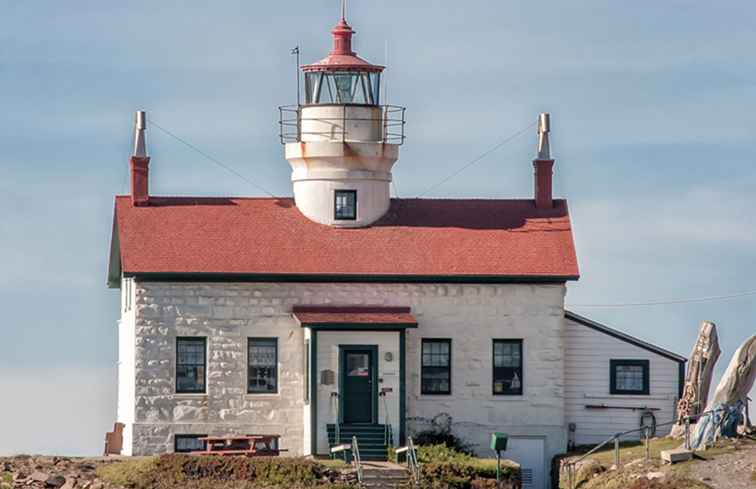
(343, 140)
(342, 77)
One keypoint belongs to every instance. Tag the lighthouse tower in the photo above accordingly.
(342, 143)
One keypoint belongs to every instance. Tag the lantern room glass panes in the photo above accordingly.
(342, 87)
(507, 367)
(262, 359)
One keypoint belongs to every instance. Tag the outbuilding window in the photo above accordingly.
(346, 205)
(629, 377)
(507, 367)
(436, 366)
(262, 362)
(191, 365)
(189, 443)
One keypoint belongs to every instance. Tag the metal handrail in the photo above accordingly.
(393, 121)
(570, 466)
(356, 460)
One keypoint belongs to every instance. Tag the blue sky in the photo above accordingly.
(652, 115)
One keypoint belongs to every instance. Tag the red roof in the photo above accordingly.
(498, 239)
(321, 315)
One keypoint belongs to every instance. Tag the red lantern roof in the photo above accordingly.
(341, 57)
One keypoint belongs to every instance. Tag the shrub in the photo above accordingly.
(184, 471)
(441, 434)
(445, 467)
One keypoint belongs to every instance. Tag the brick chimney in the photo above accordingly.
(140, 164)
(543, 165)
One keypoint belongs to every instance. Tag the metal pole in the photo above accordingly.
(687, 432)
(498, 466)
(299, 90)
(616, 452)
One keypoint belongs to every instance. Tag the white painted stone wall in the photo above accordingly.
(388, 375)
(226, 315)
(587, 382)
(126, 371)
(471, 315)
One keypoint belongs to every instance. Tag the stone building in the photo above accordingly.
(344, 310)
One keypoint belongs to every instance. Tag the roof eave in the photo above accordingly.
(624, 337)
(345, 278)
(114, 264)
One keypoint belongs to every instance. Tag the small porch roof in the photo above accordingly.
(353, 317)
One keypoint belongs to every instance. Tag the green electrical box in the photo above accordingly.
(499, 442)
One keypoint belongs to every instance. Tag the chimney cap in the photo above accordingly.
(544, 128)
(140, 125)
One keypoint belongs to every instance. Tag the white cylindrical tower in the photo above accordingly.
(343, 142)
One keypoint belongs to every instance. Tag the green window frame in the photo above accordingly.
(191, 365)
(629, 377)
(435, 370)
(306, 372)
(262, 365)
(345, 205)
(189, 443)
(508, 375)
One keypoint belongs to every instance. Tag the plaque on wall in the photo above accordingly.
(327, 377)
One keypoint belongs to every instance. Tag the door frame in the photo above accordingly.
(373, 349)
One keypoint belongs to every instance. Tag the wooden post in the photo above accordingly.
(648, 446)
(616, 453)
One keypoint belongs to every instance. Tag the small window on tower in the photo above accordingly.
(346, 205)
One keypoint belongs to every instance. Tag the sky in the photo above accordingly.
(652, 131)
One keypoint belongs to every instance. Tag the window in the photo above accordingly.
(507, 367)
(189, 443)
(436, 367)
(629, 377)
(191, 365)
(344, 87)
(346, 205)
(262, 363)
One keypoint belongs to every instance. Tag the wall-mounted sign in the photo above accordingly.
(327, 377)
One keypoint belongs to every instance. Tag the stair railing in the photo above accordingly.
(412, 463)
(356, 460)
(388, 434)
(337, 424)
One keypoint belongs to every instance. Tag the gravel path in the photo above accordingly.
(729, 471)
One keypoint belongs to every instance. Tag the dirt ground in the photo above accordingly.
(733, 470)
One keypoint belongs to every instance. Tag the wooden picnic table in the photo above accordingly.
(250, 445)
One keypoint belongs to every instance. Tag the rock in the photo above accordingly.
(655, 475)
(55, 481)
(70, 484)
(39, 476)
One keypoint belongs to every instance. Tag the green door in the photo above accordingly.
(358, 377)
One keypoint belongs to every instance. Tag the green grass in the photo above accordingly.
(335, 464)
(630, 451)
(129, 473)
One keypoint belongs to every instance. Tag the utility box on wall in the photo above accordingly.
(499, 442)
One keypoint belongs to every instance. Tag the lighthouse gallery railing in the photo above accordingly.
(290, 122)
